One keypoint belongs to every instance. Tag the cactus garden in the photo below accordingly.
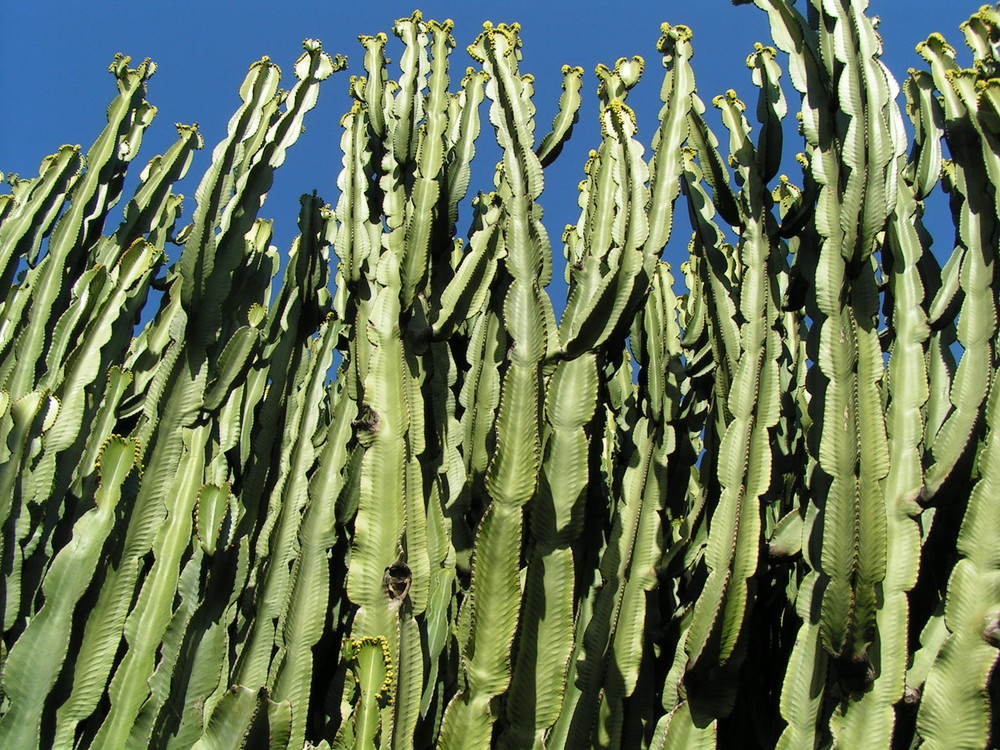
(382, 489)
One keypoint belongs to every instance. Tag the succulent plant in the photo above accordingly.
(422, 511)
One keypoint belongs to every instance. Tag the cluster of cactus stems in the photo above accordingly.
(419, 511)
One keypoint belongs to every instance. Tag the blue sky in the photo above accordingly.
(55, 86)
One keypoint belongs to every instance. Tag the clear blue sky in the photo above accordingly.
(54, 55)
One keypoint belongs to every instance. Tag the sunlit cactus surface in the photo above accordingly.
(396, 486)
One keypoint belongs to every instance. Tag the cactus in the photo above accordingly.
(420, 510)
